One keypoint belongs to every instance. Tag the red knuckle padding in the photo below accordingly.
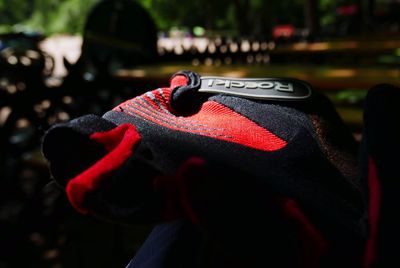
(120, 143)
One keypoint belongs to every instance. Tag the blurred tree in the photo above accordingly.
(326, 9)
(48, 16)
(311, 16)
(11, 15)
(212, 15)
(238, 17)
(253, 17)
(57, 16)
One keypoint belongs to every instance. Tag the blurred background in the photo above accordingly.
(60, 59)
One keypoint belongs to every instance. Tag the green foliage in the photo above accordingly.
(244, 17)
(14, 11)
(47, 16)
(67, 16)
(327, 11)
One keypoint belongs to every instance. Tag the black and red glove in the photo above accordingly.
(379, 150)
(221, 151)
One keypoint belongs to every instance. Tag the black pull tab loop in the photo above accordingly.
(184, 99)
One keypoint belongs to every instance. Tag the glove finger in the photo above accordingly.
(380, 145)
(234, 210)
(91, 162)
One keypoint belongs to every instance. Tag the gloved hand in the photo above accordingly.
(275, 136)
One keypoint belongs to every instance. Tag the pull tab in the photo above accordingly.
(184, 98)
(283, 89)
